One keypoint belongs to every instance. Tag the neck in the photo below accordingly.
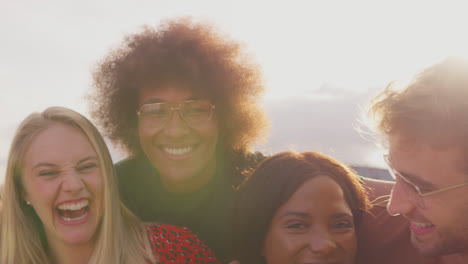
(192, 183)
(454, 258)
(70, 254)
(464, 257)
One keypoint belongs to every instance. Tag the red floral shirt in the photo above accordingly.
(174, 244)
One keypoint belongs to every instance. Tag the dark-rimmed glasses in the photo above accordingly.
(193, 112)
(415, 192)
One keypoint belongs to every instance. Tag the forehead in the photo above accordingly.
(57, 143)
(319, 195)
(167, 93)
(436, 165)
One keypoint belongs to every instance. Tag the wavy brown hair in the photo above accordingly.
(183, 52)
(272, 184)
(432, 109)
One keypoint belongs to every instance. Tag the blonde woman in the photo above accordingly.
(61, 204)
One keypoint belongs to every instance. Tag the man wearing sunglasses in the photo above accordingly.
(182, 100)
(426, 127)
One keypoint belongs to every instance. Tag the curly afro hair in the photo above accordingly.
(185, 52)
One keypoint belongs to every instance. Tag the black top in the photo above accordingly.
(205, 211)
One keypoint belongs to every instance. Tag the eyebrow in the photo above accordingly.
(411, 177)
(87, 158)
(295, 213)
(44, 164)
(48, 164)
(340, 215)
(159, 100)
(305, 215)
(416, 180)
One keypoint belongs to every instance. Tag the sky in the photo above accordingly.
(322, 60)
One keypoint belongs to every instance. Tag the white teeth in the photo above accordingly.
(74, 206)
(74, 219)
(422, 225)
(178, 151)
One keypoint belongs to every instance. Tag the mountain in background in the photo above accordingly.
(328, 120)
(374, 173)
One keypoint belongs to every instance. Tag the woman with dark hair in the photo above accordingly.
(298, 208)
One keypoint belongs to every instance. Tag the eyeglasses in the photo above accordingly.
(193, 112)
(415, 192)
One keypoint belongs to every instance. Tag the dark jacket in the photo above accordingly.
(207, 211)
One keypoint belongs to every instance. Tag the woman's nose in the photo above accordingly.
(322, 243)
(72, 182)
(176, 126)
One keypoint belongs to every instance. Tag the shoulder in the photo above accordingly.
(131, 166)
(172, 234)
(377, 226)
(451, 259)
(175, 244)
(134, 175)
(128, 163)
(164, 231)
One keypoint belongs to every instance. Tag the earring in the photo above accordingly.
(28, 203)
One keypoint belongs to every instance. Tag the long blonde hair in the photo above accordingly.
(121, 237)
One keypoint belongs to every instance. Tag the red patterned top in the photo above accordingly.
(174, 244)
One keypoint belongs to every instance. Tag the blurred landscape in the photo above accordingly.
(329, 120)
(374, 173)
(322, 60)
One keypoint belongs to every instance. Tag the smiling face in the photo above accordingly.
(441, 226)
(183, 154)
(63, 184)
(314, 226)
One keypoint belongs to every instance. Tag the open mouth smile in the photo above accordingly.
(73, 211)
(421, 228)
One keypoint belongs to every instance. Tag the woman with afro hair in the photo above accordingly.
(182, 100)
